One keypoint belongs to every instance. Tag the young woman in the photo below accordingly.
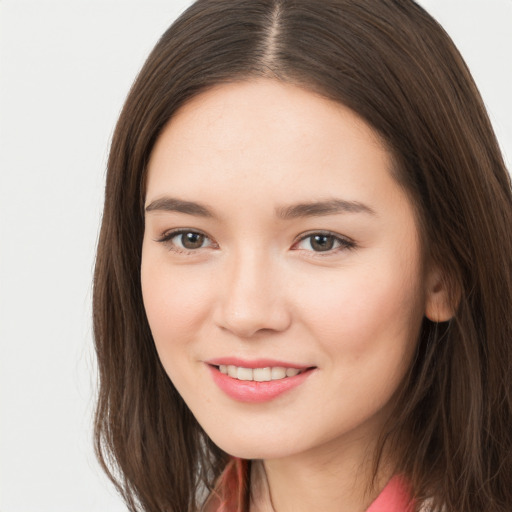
(303, 289)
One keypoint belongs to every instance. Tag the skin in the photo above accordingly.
(257, 288)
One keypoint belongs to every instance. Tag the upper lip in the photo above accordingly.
(255, 363)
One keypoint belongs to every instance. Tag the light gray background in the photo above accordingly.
(65, 68)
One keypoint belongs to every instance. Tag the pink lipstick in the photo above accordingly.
(256, 381)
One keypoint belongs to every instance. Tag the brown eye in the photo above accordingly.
(185, 240)
(191, 240)
(322, 242)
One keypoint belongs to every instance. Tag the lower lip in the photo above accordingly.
(256, 392)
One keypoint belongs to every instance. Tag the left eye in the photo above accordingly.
(323, 242)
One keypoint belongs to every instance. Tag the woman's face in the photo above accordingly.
(277, 242)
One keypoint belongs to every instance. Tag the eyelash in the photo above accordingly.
(167, 239)
(343, 242)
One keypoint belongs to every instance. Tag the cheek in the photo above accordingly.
(176, 303)
(367, 308)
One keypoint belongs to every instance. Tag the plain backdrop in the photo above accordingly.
(65, 69)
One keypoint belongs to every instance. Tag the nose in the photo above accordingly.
(252, 298)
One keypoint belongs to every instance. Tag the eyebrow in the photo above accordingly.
(321, 208)
(171, 204)
(294, 211)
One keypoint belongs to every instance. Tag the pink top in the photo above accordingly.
(230, 491)
(395, 497)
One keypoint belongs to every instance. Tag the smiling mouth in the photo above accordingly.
(259, 374)
(261, 383)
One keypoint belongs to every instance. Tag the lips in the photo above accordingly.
(256, 381)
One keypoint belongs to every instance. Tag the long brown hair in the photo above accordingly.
(390, 62)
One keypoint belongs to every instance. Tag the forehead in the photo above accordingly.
(263, 133)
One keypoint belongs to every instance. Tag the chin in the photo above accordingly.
(246, 445)
(255, 452)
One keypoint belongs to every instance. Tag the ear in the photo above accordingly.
(441, 301)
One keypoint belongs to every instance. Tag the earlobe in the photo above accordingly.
(440, 301)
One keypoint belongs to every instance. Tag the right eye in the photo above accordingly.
(186, 240)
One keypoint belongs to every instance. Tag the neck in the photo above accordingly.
(329, 479)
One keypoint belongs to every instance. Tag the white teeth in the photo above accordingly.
(278, 373)
(258, 374)
(262, 374)
(244, 374)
